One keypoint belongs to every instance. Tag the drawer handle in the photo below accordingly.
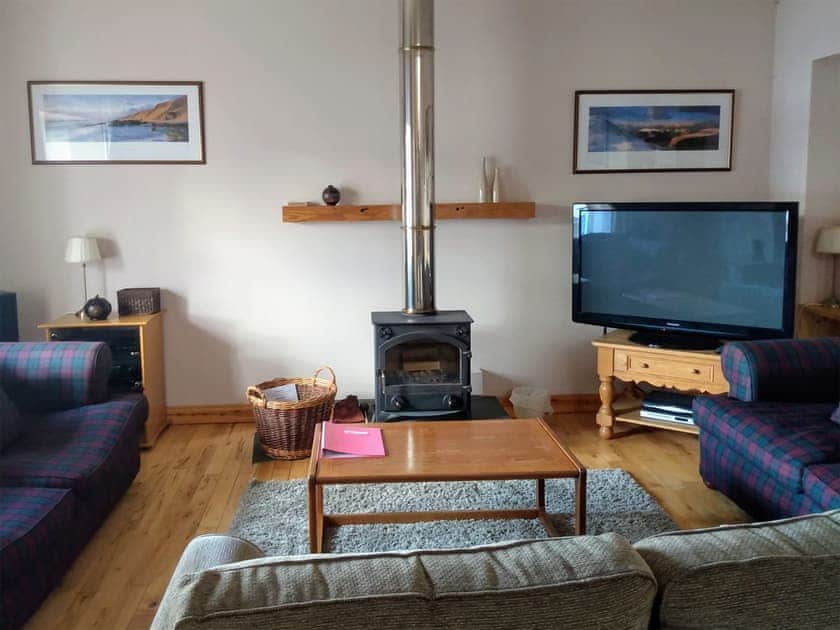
(645, 365)
(695, 371)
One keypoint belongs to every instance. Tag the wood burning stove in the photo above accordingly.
(422, 354)
(422, 365)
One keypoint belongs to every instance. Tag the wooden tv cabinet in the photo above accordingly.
(685, 370)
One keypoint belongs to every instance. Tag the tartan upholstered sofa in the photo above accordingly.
(68, 452)
(773, 445)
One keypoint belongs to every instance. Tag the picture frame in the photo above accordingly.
(653, 131)
(116, 122)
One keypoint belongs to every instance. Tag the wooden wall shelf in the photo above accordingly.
(391, 212)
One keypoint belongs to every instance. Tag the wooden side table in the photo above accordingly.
(136, 342)
(685, 370)
(816, 320)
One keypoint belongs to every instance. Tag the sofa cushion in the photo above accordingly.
(84, 448)
(575, 582)
(781, 438)
(35, 524)
(835, 416)
(780, 574)
(822, 482)
(11, 425)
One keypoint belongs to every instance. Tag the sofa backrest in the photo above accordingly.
(575, 582)
(778, 574)
(786, 370)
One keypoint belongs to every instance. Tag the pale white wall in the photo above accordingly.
(807, 31)
(822, 196)
(300, 94)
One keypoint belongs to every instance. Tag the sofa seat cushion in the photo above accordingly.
(822, 483)
(576, 582)
(778, 574)
(780, 438)
(81, 448)
(35, 525)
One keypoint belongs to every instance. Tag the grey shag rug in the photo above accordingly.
(273, 514)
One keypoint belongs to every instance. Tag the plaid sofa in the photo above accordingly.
(77, 454)
(771, 445)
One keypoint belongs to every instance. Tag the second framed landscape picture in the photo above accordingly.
(116, 122)
(653, 131)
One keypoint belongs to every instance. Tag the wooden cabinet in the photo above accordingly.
(816, 320)
(619, 358)
(136, 343)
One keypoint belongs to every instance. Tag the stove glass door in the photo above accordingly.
(422, 363)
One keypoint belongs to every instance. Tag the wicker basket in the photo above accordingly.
(286, 428)
(138, 301)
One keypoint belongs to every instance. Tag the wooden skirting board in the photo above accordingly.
(207, 414)
(575, 403)
(221, 414)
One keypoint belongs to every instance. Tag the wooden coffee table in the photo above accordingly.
(449, 451)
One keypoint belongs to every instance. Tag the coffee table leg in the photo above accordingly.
(580, 503)
(545, 519)
(316, 517)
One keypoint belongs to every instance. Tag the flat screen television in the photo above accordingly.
(686, 275)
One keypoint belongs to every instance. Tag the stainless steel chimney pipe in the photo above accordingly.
(417, 97)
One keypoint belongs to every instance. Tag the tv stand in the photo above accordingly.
(674, 340)
(619, 358)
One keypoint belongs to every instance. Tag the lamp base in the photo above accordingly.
(831, 302)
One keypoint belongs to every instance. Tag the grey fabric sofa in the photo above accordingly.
(780, 574)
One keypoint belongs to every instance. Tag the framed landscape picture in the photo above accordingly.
(653, 131)
(116, 122)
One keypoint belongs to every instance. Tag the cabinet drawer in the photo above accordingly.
(641, 364)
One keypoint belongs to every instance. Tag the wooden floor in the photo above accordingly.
(190, 484)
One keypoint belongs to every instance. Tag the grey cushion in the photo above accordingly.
(835, 416)
(780, 574)
(11, 425)
(575, 582)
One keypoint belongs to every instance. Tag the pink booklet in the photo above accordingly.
(350, 440)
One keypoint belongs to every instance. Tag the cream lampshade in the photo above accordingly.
(82, 249)
(828, 242)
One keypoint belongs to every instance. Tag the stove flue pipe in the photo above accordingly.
(417, 96)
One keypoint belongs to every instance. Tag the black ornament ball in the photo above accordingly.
(331, 195)
(97, 308)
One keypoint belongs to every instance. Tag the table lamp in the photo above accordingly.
(828, 242)
(82, 249)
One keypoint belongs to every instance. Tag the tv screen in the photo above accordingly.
(725, 270)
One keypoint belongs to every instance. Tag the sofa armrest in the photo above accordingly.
(55, 375)
(792, 370)
(203, 552)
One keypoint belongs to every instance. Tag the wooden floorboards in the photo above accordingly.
(191, 481)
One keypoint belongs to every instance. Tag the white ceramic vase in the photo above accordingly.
(497, 186)
(484, 185)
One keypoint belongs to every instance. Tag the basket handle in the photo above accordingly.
(321, 369)
(255, 392)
